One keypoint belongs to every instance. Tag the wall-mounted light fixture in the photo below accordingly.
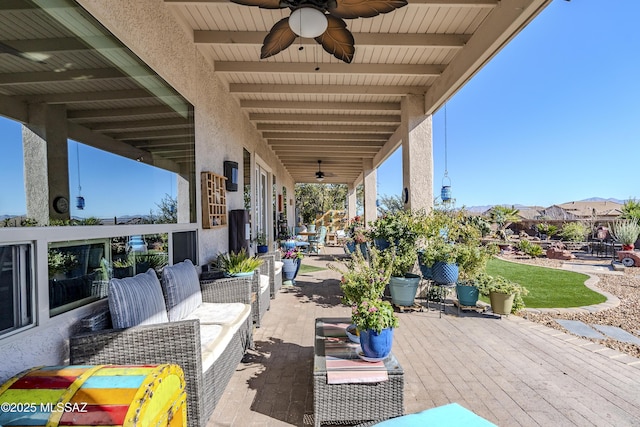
(231, 173)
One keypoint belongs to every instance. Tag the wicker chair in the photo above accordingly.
(174, 342)
(262, 292)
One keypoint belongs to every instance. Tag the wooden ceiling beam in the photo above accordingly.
(155, 134)
(333, 106)
(85, 97)
(329, 143)
(264, 117)
(239, 67)
(326, 128)
(451, 41)
(447, 3)
(139, 124)
(364, 155)
(326, 89)
(337, 149)
(338, 136)
(119, 112)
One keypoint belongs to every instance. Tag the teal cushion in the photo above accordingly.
(451, 415)
(181, 286)
(137, 301)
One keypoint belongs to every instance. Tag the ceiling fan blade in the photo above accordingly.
(279, 38)
(351, 9)
(264, 4)
(337, 40)
(34, 57)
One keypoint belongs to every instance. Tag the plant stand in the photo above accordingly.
(409, 308)
(478, 308)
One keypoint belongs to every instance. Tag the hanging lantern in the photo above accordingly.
(445, 192)
(80, 202)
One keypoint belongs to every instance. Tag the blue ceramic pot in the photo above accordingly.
(290, 269)
(262, 249)
(444, 273)
(376, 345)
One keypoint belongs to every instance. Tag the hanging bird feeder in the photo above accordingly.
(79, 199)
(445, 191)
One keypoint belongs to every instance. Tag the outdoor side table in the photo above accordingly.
(87, 395)
(353, 402)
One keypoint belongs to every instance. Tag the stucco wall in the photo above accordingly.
(222, 129)
(44, 345)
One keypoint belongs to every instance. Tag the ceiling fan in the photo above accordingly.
(320, 175)
(322, 20)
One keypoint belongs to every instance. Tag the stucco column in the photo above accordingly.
(370, 190)
(46, 162)
(417, 153)
(352, 202)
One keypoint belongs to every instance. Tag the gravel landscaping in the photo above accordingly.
(625, 316)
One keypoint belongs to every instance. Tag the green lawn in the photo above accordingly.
(548, 288)
(309, 269)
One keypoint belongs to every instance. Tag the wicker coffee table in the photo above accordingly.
(357, 402)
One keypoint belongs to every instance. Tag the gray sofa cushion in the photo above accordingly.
(181, 287)
(136, 301)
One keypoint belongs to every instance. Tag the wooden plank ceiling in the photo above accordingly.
(307, 105)
(310, 106)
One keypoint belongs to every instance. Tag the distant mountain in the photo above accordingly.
(600, 199)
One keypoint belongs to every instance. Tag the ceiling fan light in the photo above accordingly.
(308, 22)
(320, 178)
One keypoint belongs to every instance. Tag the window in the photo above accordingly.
(16, 287)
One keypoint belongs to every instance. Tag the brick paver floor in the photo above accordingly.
(510, 371)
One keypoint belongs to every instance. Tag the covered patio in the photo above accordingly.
(509, 371)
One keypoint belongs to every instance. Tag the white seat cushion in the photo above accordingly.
(214, 339)
(277, 267)
(264, 283)
(227, 314)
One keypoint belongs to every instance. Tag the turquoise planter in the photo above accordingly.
(467, 295)
(445, 274)
(376, 345)
(403, 289)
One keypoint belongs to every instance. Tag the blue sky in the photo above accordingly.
(554, 117)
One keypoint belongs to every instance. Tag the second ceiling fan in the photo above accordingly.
(321, 20)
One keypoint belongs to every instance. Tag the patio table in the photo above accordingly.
(353, 402)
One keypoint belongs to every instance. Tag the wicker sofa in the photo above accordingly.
(208, 342)
(273, 266)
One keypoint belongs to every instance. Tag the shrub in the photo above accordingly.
(574, 231)
(531, 249)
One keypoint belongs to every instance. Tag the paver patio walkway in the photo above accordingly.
(510, 371)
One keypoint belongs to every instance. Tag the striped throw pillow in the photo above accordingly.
(137, 301)
(181, 287)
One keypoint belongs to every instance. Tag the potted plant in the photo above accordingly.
(505, 295)
(60, 263)
(291, 260)
(238, 263)
(123, 267)
(626, 232)
(375, 320)
(261, 242)
(362, 279)
(356, 236)
(397, 235)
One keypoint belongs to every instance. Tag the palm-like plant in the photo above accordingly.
(503, 217)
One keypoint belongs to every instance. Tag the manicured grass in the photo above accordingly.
(548, 287)
(309, 269)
